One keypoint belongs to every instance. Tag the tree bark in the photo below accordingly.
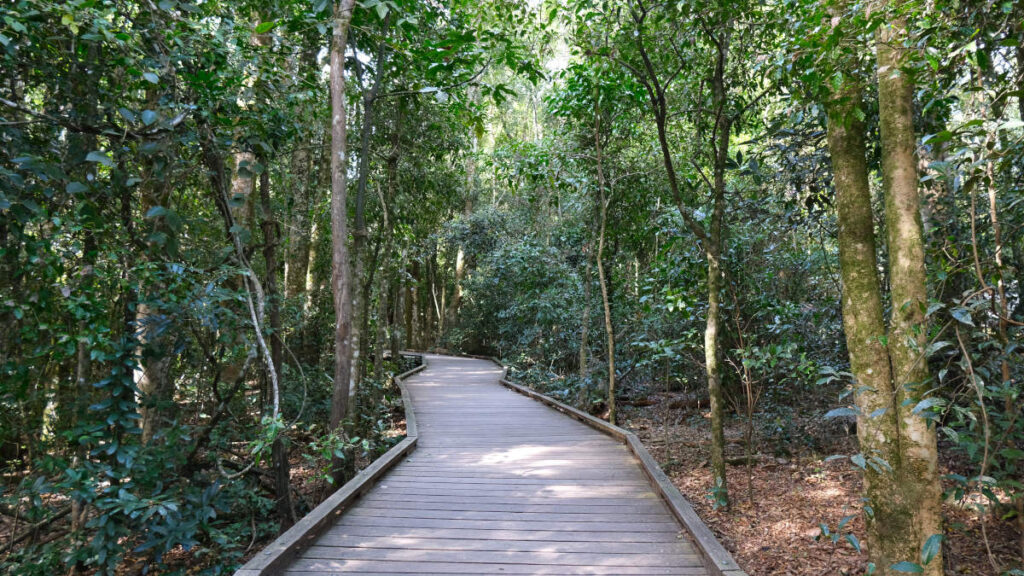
(360, 234)
(414, 312)
(460, 257)
(382, 319)
(341, 278)
(917, 477)
(300, 232)
(397, 307)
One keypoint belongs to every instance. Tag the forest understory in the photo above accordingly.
(796, 491)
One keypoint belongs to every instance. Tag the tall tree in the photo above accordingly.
(341, 275)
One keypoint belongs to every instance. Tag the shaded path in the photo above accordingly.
(501, 484)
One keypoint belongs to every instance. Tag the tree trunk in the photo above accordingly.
(659, 107)
(397, 307)
(917, 477)
(460, 257)
(361, 295)
(408, 315)
(863, 321)
(713, 252)
(605, 300)
(585, 323)
(414, 312)
(341, 279)
(152, 377)
(279, 452)
(300, 234)
(382, 318)
(303, 184)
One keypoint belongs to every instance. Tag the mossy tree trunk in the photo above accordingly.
(863, 320)
(917, 471)
(890, 371)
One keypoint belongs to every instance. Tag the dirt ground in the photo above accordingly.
(780, 533)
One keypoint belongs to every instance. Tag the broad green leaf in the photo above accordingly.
(101, 157)
(932, 547)
(839, 412)
(908, 567)
(962, 315)
(928, 403)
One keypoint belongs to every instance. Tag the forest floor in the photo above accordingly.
(778, 532)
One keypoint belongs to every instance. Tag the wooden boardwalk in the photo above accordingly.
(501, 484)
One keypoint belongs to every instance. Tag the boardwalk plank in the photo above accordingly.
(352, 541)
(501, 557)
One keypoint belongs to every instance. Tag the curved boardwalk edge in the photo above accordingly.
(287, 546)
(717, 559)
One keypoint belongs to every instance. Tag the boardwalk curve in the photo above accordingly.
(501, 484)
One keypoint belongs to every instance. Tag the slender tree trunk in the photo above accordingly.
(712, 240)
(363, 287)
(608, 329)
(279, 451)
(300, 232)
(917, 470)
(460, 257)
(304, 182)
(414, 313)
(585, 322)
(713, 253)
(382, 319)
(152, 377)
(408, 315)
(397, 307)
(341, 279)
(460, 271)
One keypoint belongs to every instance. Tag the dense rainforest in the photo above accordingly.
(783, 241)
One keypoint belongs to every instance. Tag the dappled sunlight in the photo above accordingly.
(515, 455)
